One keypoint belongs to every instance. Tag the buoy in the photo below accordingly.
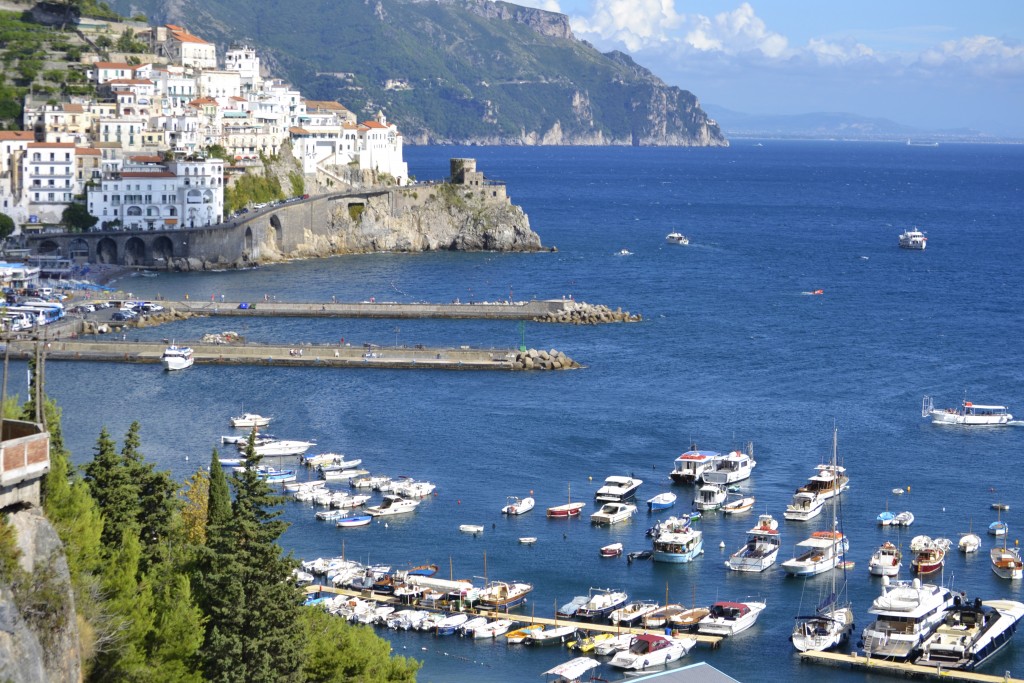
(722, 545)
(943, 508)
(908, 489)
(590, 479)
(531, 492)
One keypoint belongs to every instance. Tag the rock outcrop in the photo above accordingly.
(580, 313)
(543, 360)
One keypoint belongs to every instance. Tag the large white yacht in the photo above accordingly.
(913, 239)
(905, 614)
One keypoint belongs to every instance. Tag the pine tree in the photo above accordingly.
(218, 508)
(177, 635)
(114, 490)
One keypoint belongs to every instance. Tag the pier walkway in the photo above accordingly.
(903, 669)
(517, 310)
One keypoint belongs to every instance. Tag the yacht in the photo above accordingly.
(761, 548)
(821, 552)
(177, 358)
(730, 618)
(618, 488)
(905, 614)
(968, 414)
(678, 543)
(734, 467)
(279, 447)
(648, 651)
(913, 239)
(689, 467)
(804, 506)
(1006, 562)
(677, 238)
(970, 634)
(250, 420)
(392, 505)
(827, 481)
(613, 513)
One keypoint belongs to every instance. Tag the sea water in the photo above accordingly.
(733, 348)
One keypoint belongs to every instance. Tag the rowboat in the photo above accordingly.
(739, 505)
(569, 509)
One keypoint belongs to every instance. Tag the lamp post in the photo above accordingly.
(397, 330)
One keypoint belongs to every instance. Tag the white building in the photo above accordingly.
(182, 48)
(219, 84)
(187, 193)
(49, 182)
(243, 59)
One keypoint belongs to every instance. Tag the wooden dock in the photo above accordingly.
(712, 641)
(903, 669)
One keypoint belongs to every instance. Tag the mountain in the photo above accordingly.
(452, 71)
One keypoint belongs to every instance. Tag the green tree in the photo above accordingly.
(173, 645)
(156, 496)
(76, 218)
(195, 508)
(115, 491)
(6, 226)
(337, 652)
(129, 604)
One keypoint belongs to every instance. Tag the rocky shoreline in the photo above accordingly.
(580, 313)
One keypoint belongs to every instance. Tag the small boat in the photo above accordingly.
(662, 501)
(617, 644)
(611, 550)
(687, 619)
(450, 624)
(329, 515)
(885, 518)
(1006, 562)
(678, 543)
(677, 238)
(250, 420)
(471, 528)
(527, 540)
(521, 634)
(659, 618)
(613, 513)
(968, 414)
(358, 520)
(928, 559)
(730, 618)
(969, 543)
(710, 497)
(518, 506)
(588, 643)
(569, 509)
(886, 561)
(804, 506)
(631, 613)
(496, 628)
(650, 650)
(569, 609)
(1000, 506)
(601, 603)
(177, 358)
(821, 552)
(618, 489)
(501, 595)
(279, 447)
(913, 239)
(556, 635)
(742, 504)
(761, 548)
(294, 486)
(469, 628)
(998, 528)
(623, 252)
(828, 627)
(392, 505)
(571, 671)
(897, 492)
(905, 518)
(970, 634)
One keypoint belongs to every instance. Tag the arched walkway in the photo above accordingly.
(49, 247)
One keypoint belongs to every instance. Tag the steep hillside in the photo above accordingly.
(453, 70)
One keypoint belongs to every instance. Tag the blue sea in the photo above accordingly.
(732, 349)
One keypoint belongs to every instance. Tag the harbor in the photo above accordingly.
(903, 669)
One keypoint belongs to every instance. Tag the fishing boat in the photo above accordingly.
(647, 651)
(611, 550)
(677, 542)
(804, 506)
(357, 520)
(761, 548)
(886, 561)
(571, 671)
(740, 504)
(729, 618)
(662, 501)
(493, 629)
(501, 595)
(617, 488)
(731, 468)
(677, 238)
(569, 509)
(518, 506)
(613, 513)
(250, 420)
(970, 634)
(177, 358)
(1006, 562)
(689, 467)
(968, 414)
(710, 497)
(913, 239)
(555, 635)
(630, 614)
(928, 559)
(392, 505)
(905, 614)
(601, 603)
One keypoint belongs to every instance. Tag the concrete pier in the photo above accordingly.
(517, 310)
(902, 669)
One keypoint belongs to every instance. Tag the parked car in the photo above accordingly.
(124, 316)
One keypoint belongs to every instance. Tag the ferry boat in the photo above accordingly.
(761, 548)
(689, 467)
(177, 358)
(677, 238)
(678, 544)
(970, 634)
(913, 239)
(734, 467)
(968, 414)
(905, 614)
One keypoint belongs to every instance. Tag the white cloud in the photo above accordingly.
(981, 54)
(635, 24)
(740, 30)
(549, 5)
(836, 54)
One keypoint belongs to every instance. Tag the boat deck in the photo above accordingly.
(903, 669)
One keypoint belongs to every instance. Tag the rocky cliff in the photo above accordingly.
(38, 630)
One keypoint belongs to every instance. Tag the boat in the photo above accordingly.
(569, 609)
(628, 615)
(623, 252)
(741, 504)
(648, 650)
(518, 506)
(1006, 562)
(827, 629)
(556, 635)
(617, 644)
(905, 518)
(618, 489)
(687, 619)
(357, 520)
(761, 548)
(970, 634)
(493, 629)
(279, 447)
(571, 671)
(677, 238)
(274, 476)
(928, 559)
(413, 489)
(731, 468)
(710, 497)
(998, 527)
(662, 501)
(294, 486)
(601, 603)
(589, 642)
(471, 528)
(660, 617)
(569, 509)
(1000, 506)
(392, 505)
(250, 420)
(886, 561)
(897, 492)
(519, 635)
(677, 542)
(885, 518)
(913, 239)
(968, 414)
(827, 481)
(177, 358)
(450, 624)
(804, 506)
(730, 618)
(527, 540)
(969, 543)
(501, 595)
(469, 628)
(613, 513)
(905, 614)
(689, 467)
(611, 550)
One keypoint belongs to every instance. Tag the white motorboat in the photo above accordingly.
(689, 467)
(493, 629)
(612, 645)
(632, 613)
(613, 513)
(913, 239)
(730, 618)
(905, 614)
(677, 543)
(250, 420)
(886, 561)
(827, 481)
(969, 543)
(518, 506)
(601, 603)
(739, 504)
(471, 528)
(731, 468)
(905, 518)
(662, 501)
(527, 540)
(413, 489)
(648, 650)
(556, 635)
(392, 505)
(761, 548)
(617, 489)
(968, 414)
(804, 506)
(335, 474)
(177, 358)
(279, 447)
(710, 496)
(677, 238)
(970, 634)
(358, 520)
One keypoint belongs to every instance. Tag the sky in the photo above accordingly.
(932, 64)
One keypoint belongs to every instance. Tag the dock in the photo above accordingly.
(516, 310)
(903, 669)
(712, 641)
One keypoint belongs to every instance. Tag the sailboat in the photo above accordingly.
(569, 509)
(832, 621)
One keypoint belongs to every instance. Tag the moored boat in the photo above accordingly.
(1006, 562)
(250, 420)
(521, 634)
(928, 559)
(970, 634)
(613, 513)
(618, 488)
(731, 468)
(392, 505)
(804, 506)
(518, 506)
(628, 615)
(689, 467)
(886, 561)
(177, 358)
(501, 595)
(571, 671)
(761, 548)
(968, 414)
(678, 543)
(662, 501)
(729, 618)
(969, 543)
(905, 614)
(357, 520)
(601, 603)
(648, 650)
(710, 497)
(740, 504)
(471, 528)
(611, 550)
(552, 636)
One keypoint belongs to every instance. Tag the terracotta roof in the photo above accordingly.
(58, 145)
(183, 36)
(130, 81)
(146, 158)
(74, 109)
(294, 130)
(373, 124)
(148, 174)
(115, 65)
(325, 104)
(203, 100)
(86, 151)
(26, 135)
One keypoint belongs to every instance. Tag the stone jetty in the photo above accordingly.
(580, 313)
(543, 360)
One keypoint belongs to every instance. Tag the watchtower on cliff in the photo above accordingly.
(464, 173)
